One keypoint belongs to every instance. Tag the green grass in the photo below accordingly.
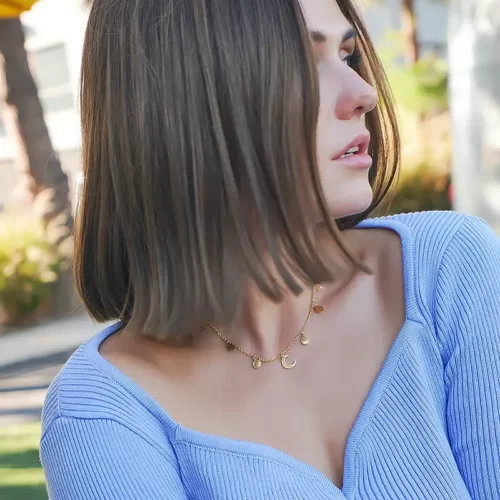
(21, 476)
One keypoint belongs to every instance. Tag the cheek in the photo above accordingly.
(327, 121)
(329, 90)
(327, 139)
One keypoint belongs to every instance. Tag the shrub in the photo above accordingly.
(421, 94)
(29, 265)
(425, 177)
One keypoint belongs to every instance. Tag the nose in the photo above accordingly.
(357, 98)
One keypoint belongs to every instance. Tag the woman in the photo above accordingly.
(272, 342)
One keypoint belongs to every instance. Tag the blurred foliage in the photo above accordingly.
(420, 190)
(421, 95)
(29, 265)
(421, 88)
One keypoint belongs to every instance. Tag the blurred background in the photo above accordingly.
(443, 61)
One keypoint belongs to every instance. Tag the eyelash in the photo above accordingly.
(353, 59)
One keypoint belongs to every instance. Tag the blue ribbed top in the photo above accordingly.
(429, 429)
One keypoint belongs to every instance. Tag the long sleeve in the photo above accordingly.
(96, 459)
(468, 326)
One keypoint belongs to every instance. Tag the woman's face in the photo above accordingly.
(345, 100)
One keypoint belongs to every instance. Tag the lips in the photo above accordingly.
(358, 146)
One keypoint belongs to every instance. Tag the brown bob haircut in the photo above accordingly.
(199, 124)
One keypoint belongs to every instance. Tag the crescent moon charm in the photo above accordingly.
(284, 364)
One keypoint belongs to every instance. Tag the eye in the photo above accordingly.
(353, 60)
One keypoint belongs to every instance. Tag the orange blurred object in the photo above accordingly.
(14, 8)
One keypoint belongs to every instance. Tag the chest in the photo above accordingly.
(306, 413)
(397, 447)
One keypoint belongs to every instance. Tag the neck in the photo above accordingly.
(265, 328)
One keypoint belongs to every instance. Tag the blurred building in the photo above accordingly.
(474, 70)
(54, 38)
(432, 21)
(55, 31)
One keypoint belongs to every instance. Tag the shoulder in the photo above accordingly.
(467, 301)
(93, 415)
(454, 229)
(434, 239)
(437, 226)
(84, 391)
(448, 257)
(457, 269)
(455, 242)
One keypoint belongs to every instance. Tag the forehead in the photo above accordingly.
(325, 16)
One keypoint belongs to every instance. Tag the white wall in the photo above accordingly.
(54, 44)
(432, 18)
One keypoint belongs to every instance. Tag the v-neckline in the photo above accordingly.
(266, 452)
(258, 450)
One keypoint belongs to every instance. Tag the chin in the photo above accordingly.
(350, 201)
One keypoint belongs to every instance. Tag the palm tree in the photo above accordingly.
(411, 46)
(409, 32)
(43, 179)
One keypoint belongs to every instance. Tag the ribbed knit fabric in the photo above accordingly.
(429, 429)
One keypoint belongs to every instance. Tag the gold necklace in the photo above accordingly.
(282, 356)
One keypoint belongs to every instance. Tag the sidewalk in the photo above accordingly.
(30, 359)
(45, 340)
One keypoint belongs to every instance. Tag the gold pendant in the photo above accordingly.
(304, 340)
(257, 363)
(318, 309)
(284, 364)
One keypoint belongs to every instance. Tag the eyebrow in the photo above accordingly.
(321, 37)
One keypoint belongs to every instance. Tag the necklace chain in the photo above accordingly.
(282, 356)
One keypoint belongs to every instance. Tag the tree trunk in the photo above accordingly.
(409, 31)
(42, 178)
